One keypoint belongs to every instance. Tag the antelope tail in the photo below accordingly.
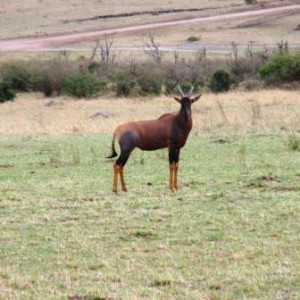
(113, 149)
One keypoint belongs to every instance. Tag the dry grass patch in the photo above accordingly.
(234, 112)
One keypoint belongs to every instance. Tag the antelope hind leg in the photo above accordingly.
(115, 182)
(172, 178)
(124, 189)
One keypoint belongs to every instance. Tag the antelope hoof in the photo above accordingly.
(115, 191)
(124, 189)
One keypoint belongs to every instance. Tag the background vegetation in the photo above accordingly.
(91, 77)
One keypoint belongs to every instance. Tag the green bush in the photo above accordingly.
(49, 76)
(150, 80)
(193, 39)
(220, 81)
(6, 93)
(124, 82)
(94, 67)
(293, 142)
(17, 74)
(84, 85)
(48, 85)
(281, 68)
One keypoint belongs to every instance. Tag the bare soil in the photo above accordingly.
(53, 42)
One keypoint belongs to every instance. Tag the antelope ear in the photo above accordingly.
(196, 98)
(177, 99)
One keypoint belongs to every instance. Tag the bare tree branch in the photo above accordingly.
(103, 50)
(152, 49)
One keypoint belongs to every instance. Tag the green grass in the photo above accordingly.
(230, 232)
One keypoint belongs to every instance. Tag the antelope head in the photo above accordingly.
(186, 101)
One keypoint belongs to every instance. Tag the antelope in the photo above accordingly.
(168, 131)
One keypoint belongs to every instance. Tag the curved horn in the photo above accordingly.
(180, 90)
(191, 90)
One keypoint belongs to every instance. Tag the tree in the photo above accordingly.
(103, 51)
(152, 49)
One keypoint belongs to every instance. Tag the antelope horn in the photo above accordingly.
(191, 90)
(180, 90)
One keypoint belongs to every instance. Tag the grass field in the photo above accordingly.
(230, 232)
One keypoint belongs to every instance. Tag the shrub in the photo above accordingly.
(220, 81)
(94, 67)
(170, 86)
(192, 39)
(281, 68)
(150, 80)
(6, 93)
(246, 68)
(17, 75)
(124, 82)
(185, 74)
(49, 77)
(250, 85)
(48, 85)
(84, 85)
(293, 142)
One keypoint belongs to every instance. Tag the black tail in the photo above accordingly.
(113, 149)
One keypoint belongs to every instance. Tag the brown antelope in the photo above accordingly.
(168, 131)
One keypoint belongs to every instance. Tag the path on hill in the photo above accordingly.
(54, 42)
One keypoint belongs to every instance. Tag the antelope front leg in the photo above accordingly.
(175, 176)
(173, 160)
(172, 168)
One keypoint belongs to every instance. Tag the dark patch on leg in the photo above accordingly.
(173, 160)
(174, 155)
(128, 141)
(122, 159)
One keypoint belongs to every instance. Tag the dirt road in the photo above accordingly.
(54, 42)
